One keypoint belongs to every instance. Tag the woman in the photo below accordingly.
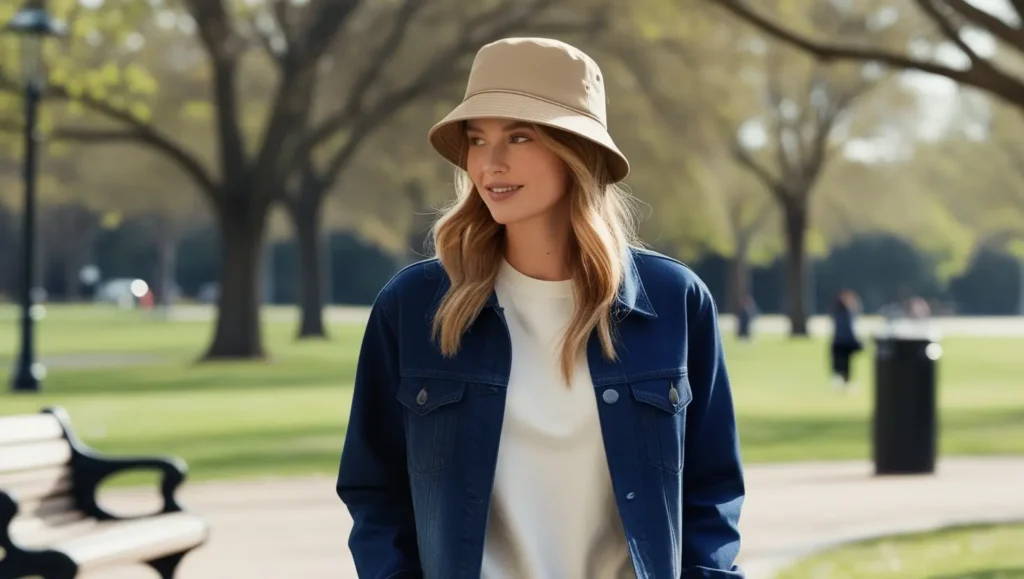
(542, 400)
(844, 338)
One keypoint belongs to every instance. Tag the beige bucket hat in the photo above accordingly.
(537, 80)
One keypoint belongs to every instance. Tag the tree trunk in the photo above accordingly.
(1020, 303)
(72, 280)
(738, 283)
(795, 223)
(85, 225)
(237, 333)
(422, 219)
(306, 222)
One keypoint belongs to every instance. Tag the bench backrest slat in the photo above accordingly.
(34, 456)
(35, 470)
(29, 428)
(36, 484)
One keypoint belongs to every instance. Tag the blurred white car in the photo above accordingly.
(124, 292)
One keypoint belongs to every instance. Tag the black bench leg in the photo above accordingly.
(45, 564)
(166, 566)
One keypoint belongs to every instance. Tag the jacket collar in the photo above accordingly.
(632, 298)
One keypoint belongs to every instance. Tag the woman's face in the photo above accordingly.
(518, 177)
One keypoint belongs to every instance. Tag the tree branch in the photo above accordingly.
(282, 141)
(744, 232)
(743, 156)
(136, 130)
(994, 26)
(635, 55)
(469, 40)
(1018, 6)
(376, 65)
(949, 30)
(325, 19)
(265, 38)
(838, 102)
(783, 157)
(992, 81)
(282, 15)
(222, 46)
(214, 28)
(446, 67)
(189, 164)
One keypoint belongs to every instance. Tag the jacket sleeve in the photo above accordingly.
(372, 478)
(713, 486)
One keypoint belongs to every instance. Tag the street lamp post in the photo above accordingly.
(32, 23)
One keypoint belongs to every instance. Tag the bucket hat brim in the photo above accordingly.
(447, 136)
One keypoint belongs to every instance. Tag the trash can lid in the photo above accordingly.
(909, 330)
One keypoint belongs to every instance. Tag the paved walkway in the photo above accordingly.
(297, 528)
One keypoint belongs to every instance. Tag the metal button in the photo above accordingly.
(421, 398)
(610, 396)
(673, 395)
(630, 496)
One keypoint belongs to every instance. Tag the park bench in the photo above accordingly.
(50, 523)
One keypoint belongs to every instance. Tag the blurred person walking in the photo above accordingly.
(745, 318)
(845, 343)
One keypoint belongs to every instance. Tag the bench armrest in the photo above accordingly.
(91, 468)
(8, 510)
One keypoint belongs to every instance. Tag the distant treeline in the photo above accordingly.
(883, 270)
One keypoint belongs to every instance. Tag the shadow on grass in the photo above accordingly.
(254, 436)
(259, 461)
(799, 430)
(808, 438)
(268, 450)
(201, 377)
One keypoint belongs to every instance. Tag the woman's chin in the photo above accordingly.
(504, 216)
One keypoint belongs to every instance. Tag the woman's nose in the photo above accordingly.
(497, 159)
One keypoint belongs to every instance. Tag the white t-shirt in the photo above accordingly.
(553, 513)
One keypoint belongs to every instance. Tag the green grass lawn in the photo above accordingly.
(976, 552)
(287, 415)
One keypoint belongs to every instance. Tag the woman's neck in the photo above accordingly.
(540, 253)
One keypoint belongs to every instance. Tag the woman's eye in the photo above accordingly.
(476, 141)
(520, 139)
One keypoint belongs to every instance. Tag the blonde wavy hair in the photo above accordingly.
(469, 245)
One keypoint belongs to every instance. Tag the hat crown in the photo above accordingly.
(542, 68)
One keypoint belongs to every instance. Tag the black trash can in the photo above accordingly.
(905, 432)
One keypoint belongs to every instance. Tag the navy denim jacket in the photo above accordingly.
(419, 457)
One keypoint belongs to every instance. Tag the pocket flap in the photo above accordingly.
(670, 394)
(424, 395)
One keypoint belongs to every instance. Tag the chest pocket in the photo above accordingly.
(661, 407)
(431, 421)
